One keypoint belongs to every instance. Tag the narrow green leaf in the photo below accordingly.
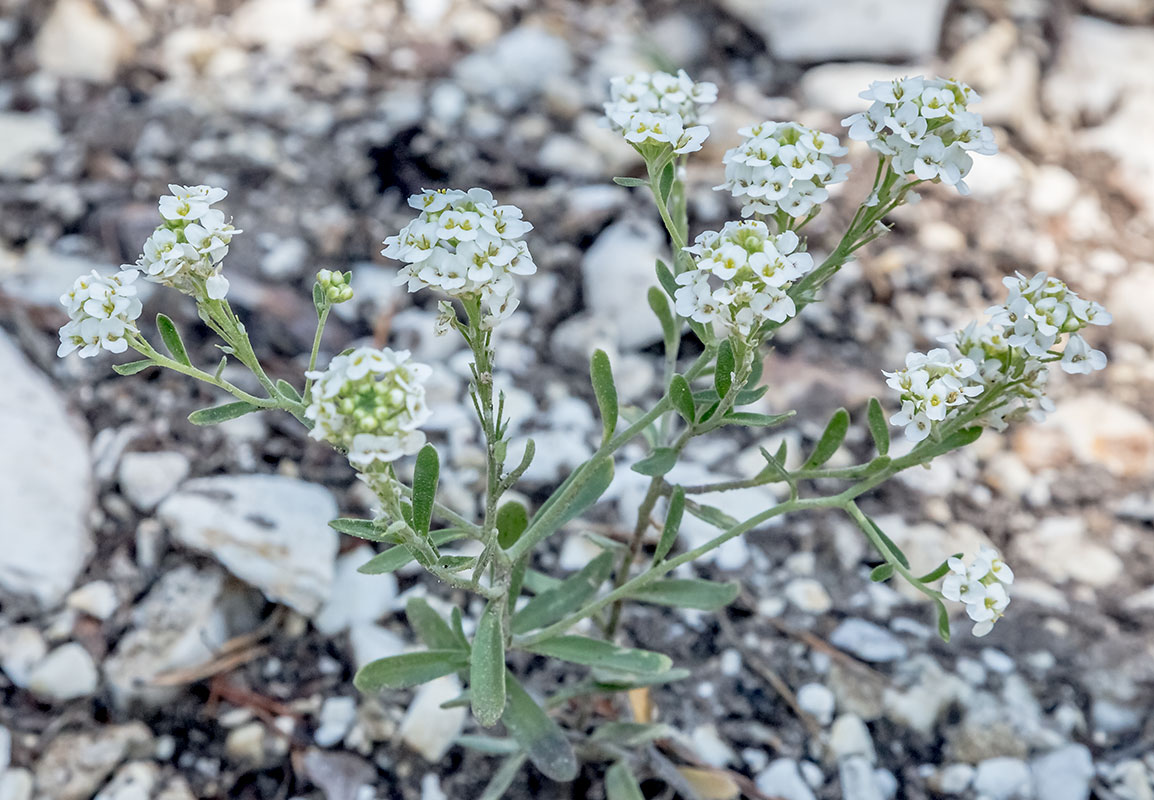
(751, 420)
(132, 367)
(601, 374)
(782, 452)
(666, 184)
(630, 182)
(611, 680)
(409, 669)
(517, 578)
(882, 572)
(620, 784)
(458, 628)
(666, 279)
(503, 778)
(672, 524)
(553, 604)
(889, 543)
(879, 428)
(966, 436)
(682, 398)
(943, 621)
(360, 528)
(218, 414)
(830, 441)
(512, 519)
(487, 668)
(538, 582)
(688, 593)
(398, 556)
(319, 300)
(723, 369)
(429, 626)
(938, 572)
(747, 396)
(599, 653)
(542, 739)
(658, 462)
(714, 516)
(594, 479)
(171, 338)
(489, 745)
(288, 390)
(425, 473)
(601, 475)
(630, 734)
(660, 305)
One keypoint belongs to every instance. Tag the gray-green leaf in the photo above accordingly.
(601, 374)
(171, 337)
(429, 626)
(132, 367)
(672, 524)
(658, 462)
(409, 669)
(599, 653)
(682, 398)
(425, 473)
(553, 604)
(487, 668)
(217, 414)
(542, 739)
(688, 593)
(620, 784)
(830, 441)
(879, 428)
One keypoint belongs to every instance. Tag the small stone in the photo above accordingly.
(515, 68)
(16, 784)
(1064, 774)
(858, 780)
(429, 729)
(577, 551)
(74, 765)
(808, 595)
(24, 138)
(998, 661)
(431, 787)
(147, 478)
(21, 648)
(850, 736)
(339, 775)
(711, 747)
(817, 701)
(336, 719)
(66, 673)
(617, 272)
(1103, 431)
(133, 781)
(1053, 190)
(356, 597)
(928, 693)
(783, 780)
(1130, 302)
(868, 641)
(270, 531)
(5, 749)
(77, 41)
(1070, 552)
(245, 744)
(730, 662)
(372, 642)
(1004, 779)
(955, 778)
(97, 599)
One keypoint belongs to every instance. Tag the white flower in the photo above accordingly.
(782, 166)
(1079, 359)
(466, 245)
(924, 123)
(103, 310)
(981, 586)
(371, 403)
(660, 108)
(740, 277)
(189, 203)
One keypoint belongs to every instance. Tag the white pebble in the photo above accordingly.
(336, 718)
(817, 701)
(97, 599)
(66, 673)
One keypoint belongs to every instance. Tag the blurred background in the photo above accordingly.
(170, 629)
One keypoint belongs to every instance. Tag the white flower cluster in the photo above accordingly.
(1006, 359)
(661, 108)
(782, 166)
(741, 277)
(925, 124)
(186, 251)
(102, 310)
(370, 403)
(981, 585)
(466, 245)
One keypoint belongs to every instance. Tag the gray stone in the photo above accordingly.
(837, 30)
(45, 485)
(270, 531)
(336, 718)
(868, 641)
(1004, 779)
(97, 599)
(782, 779)
(21, 648)
(136, 780)
(24, 138)
(817, 701)
(429, 729)
(147, 478)
(849, 736)
(616, 274)
(516, 67)
(356, 597)
(1064, 774)
(77, 41)
(16, 784)
(68, 672)
(954, 779)
(858, 781)
(75, 764)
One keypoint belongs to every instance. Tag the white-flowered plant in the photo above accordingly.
(925, 126)
(733, 288)
(783, 167)
(465, 245)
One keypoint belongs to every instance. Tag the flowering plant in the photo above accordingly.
(733, 288)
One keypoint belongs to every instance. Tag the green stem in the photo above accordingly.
(322, 318)
(141, 345)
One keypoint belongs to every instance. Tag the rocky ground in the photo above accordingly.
(177, 621)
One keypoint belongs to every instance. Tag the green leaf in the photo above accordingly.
(398, 556)
(630, 734)
(688, 593)
(943, 620)
(714, 516)
(966, 436)
(489, 745)
(752, 420)
(288, 390)
(660, 305)
(682, 398)
(672, 524)
(360, 528)
(538, 582)
(171, 338)
(429, 626)
(132, 367)
(601, 374)
(879, 428)
(553, 604)
(889, 543)
(594, 479)
(599, 653)
(512, 519)
(541, 738)
(723, 369)
(830, 441)
(425, 474)
(938, 572)
(630, 182)
(503, 778)
(458, 628)
(747, 396)
(658, 462)
(666, 279)
(217, 414)
(409, 669)
(666, 183)
(487, 668)
(620, 784)
(882, 572)
(319, 300)
(610, 680)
